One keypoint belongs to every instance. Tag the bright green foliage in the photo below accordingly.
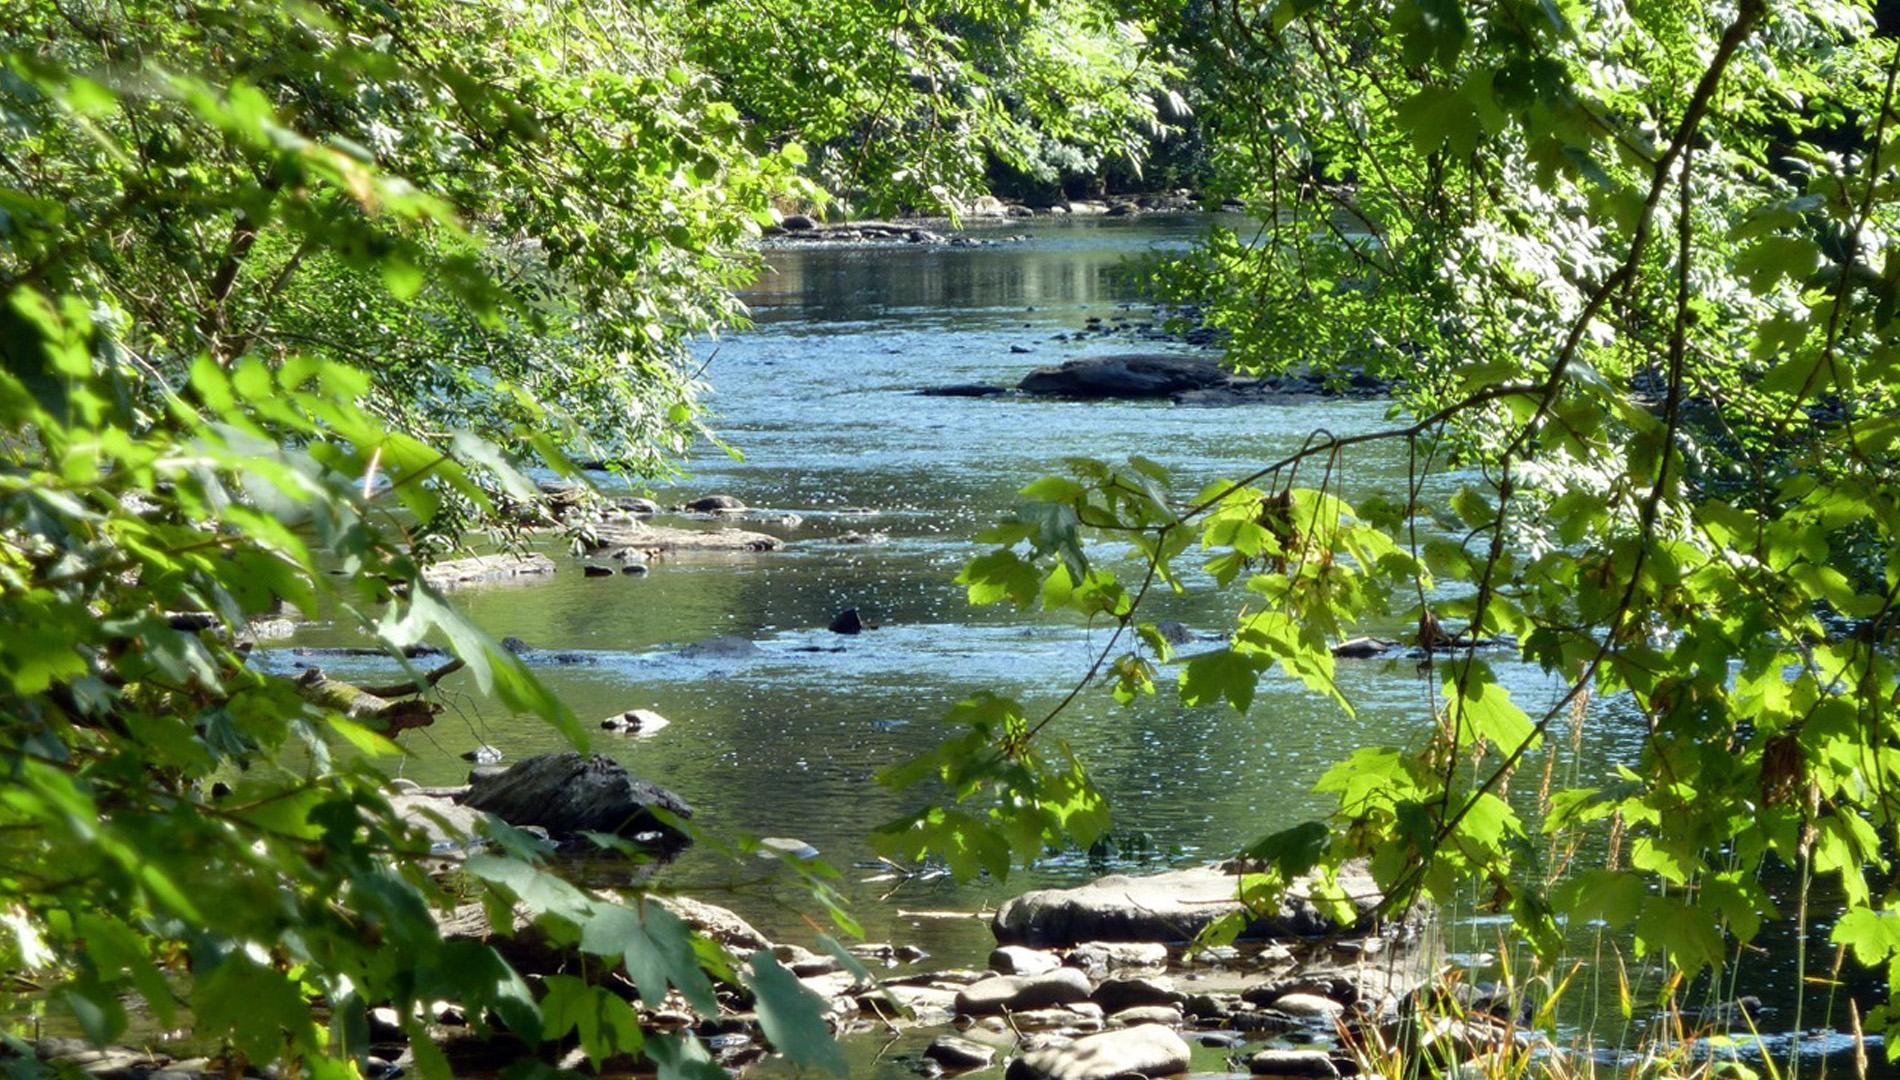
(1631, 265)
(909, 105)
(574, 196)
(217, 291)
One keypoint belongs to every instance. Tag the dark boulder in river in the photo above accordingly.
(847, 622)
(568, 794)
(1127, 376)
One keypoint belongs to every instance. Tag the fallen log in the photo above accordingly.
(360, 704)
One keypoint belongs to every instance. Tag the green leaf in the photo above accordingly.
(1437, 119)
(1221, 673)
(792, 1016)
(657, 949)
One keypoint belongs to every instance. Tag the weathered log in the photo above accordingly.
(359, 704)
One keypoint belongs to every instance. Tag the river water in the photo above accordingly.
(821, 398)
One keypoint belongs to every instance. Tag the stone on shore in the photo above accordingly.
(1143, 1050)
(567, 794)
(715, 504)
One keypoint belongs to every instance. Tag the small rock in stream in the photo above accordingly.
(957, 1055)
(482, 755)
(847, 621)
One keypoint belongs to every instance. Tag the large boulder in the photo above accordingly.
(1127, 376)
(1143, 1050)
(567, 794)
(1172, 906)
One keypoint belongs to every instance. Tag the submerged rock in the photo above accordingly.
(720, 648)
(961, 390)
(569, 794)
(1143, 1050)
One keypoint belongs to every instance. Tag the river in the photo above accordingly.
(820, 396)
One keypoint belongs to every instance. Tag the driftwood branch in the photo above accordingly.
(420, 686)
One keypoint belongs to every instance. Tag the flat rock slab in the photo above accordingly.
(488, 570)
(1168, 907)
(667, 538)
(1143, 1050)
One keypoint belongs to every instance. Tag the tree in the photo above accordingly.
(1629, 263)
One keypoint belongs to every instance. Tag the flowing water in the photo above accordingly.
(821, 397)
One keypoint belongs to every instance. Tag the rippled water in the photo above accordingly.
(821, 398)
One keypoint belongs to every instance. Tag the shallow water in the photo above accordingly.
(821, 397)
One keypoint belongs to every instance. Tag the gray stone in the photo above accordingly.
(634, 504)
(1144, 1050)
(568, 794)
(1015, 993)
(715, 504)
(1017, 960)
(1308, 1063)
